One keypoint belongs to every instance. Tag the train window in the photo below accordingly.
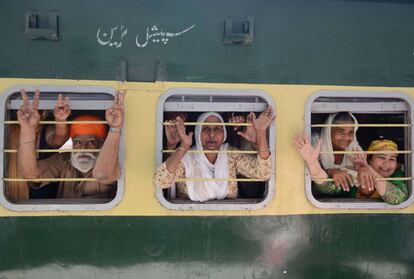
(190, 103)
(379, 115)
(23, 195)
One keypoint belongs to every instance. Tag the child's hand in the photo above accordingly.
(62, 108)
(359, 159)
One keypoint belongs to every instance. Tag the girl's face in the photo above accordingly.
(342, 136)
(212, 136)
(384, 164)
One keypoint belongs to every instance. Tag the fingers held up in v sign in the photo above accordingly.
(115, 114)
(28, 115)
(62, 108)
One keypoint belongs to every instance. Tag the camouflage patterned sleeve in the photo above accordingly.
(327, 188)
(395, 193)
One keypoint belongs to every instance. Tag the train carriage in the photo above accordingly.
(306, 59)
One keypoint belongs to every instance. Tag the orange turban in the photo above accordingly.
(98, 130)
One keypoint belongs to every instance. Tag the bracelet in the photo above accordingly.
(181, 148)
(115, 130)
(262, 150)
(27, 142)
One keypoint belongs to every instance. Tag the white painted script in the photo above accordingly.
(113, 37)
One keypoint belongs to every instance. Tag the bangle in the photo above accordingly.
(263, 150)
(27, 142)
(181, 148)
(115, 129)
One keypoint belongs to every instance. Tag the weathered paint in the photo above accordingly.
(307, 246)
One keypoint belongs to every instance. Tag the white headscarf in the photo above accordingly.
(328, 160)
(198, 166)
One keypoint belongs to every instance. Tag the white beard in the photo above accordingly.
(83, 165)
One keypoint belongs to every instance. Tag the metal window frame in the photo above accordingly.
(61, 206)
(388, 108)
(211, 205)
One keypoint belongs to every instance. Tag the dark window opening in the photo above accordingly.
(389, 117)
(19, 192)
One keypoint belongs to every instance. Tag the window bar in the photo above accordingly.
(93, 179)
(361, 125)
(48, 179)
(56, 150)
(163, 151)
(206, 124)
(368, 152)
(215, 151)
(60, 122)
(324, 152)
(221, 179)
(378, 179)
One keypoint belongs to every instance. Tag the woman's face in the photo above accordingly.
(384, 164)
(342, 136)
(212, 135)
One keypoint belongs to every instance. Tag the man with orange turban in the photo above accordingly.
(88, 134)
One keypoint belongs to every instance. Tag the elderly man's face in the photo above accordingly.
(86, 142)
(84, 161)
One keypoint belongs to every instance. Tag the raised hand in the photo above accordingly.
(115, 114)
(28, 114)
(171, 132)
(250, 132)
(309, 153)
(264, 120)
(62, 108)
(359, 159)
(186, 140)
(237, 119)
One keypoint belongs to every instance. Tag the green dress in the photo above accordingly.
(396, 191)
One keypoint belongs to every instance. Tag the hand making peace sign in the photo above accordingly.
(62, 109)
(28, 115)
(115, 114)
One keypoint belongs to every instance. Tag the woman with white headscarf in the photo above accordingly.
(343, 138)
(208, 166)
